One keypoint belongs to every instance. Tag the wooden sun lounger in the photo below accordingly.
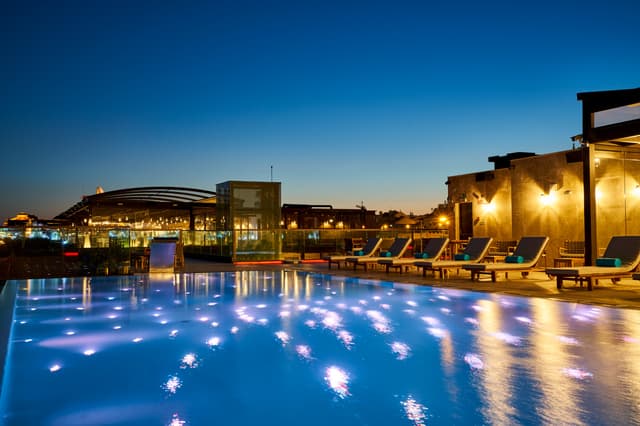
(626, 248)
(372, 246)
(435, 247)
(476, 250)
(396, 250)
(529, 248)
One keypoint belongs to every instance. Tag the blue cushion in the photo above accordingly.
(461, 256)
(514, 259)
(385, 254)
(421, 255)
(359, 253)
(608, 261)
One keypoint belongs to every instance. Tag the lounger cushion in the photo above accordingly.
(385, 254)
(608, 261)
(514, 259)
(461, 256)
(421, 255)
(359, 253)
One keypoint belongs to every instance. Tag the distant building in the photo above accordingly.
(324, 216)
(154, 207)
(197, 209)
(21, 219)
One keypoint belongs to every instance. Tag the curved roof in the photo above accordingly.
(154, 193)
(172, 196)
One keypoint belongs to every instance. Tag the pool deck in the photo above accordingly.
(623, 294)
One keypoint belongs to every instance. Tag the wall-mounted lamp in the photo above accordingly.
(547, 199)
(550, 188)
(488, 207)
(548, 196)
(549, 193)
(481, 199)
(599, 194)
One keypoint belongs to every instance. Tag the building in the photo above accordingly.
(313, 216)
(522, 195)
(21, 219)
(177, 208)
(529, 194)
(152, 207)
(249, 213)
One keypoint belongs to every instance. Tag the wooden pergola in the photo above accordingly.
(622, 132)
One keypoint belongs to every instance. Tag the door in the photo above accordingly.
(465, 222)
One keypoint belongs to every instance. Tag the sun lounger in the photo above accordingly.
(524, 259)
(432, 251)
(621, 258)
(372, 246)
(476, 249)
(396, 250)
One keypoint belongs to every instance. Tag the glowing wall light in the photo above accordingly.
(547, 199)
(489, 207)
(599, 194)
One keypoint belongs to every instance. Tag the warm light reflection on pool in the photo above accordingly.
(286, 347)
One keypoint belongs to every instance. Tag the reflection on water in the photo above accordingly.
(285, 347)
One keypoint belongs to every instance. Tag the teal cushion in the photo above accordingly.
(385, 254)
(359, 253)
(421, 255)
(608, 261)
(514, 259)
(461, 256)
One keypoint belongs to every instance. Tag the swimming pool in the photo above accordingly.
(291, 347)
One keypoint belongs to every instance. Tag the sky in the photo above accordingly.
(342, 102)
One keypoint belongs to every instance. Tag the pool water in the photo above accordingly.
(302, 348)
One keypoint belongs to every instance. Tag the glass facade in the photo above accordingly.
(80, 251)
(617, 177)
(250, 211)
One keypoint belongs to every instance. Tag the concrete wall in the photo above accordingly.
(489, 192)
(547, 199)
(541, 195)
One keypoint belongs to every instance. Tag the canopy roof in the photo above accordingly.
(611, 116)
(161, 197)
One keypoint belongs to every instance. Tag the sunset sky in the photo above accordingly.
(348, 101)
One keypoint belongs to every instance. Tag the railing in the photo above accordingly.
(118, 249)
(572, 249)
